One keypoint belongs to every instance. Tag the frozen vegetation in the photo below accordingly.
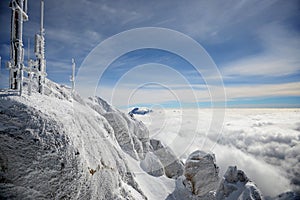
(60, 146)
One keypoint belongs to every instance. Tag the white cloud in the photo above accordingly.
(257, 170)
(184, 94)
(262, 142)
(280, 55)
(263, 90)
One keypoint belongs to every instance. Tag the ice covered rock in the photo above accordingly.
(201, 170)
(55, 147)
(172, 165)
(131, 134)
(122, 133)
(236, 185)
(200, 178)
(233, 175)
(140, 133)
(152, 165)
(100, 105)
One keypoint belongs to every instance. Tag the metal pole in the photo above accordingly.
(29, 69)
(42, 18)
(73, 75)
(42, 63)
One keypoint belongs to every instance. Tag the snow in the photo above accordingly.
(59, 141)
(152, 165)
(153, 187)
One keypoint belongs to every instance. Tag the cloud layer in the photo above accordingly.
(262, 142)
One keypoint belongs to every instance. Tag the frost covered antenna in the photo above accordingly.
(39, 51)
(16, 63)
(72, 78)
(29, 69)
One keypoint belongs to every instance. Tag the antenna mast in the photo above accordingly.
(40, 52)
(72, 79)
(29, 69)
(16, 63)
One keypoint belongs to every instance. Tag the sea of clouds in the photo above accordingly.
(265, 143)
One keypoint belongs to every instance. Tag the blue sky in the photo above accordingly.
(255, 45)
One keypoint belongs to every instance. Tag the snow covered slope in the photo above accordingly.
(54, 147)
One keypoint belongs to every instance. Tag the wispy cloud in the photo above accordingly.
(122, 94)
(280, 55)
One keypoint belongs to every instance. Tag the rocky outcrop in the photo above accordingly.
(152, 165)
(172, 165)
(236, 185)
(202, 172)
(200, 178)
(132, 135)
(122, 133)
(140, 134)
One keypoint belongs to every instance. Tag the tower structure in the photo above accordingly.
(39, 51)
(16, 63)
(36, 68)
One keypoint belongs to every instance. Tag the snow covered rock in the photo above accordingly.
(140, 135)
(172, 166)
(200, 178)
(152, 165)
(201, 170)
(122, 133)
(99, 105)
(55, 147)
(131, 134)
(236, 185)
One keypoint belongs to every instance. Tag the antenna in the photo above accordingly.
(40, 52)
(28, 49)
(42, 18)
(29, 71)
(72, 79)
